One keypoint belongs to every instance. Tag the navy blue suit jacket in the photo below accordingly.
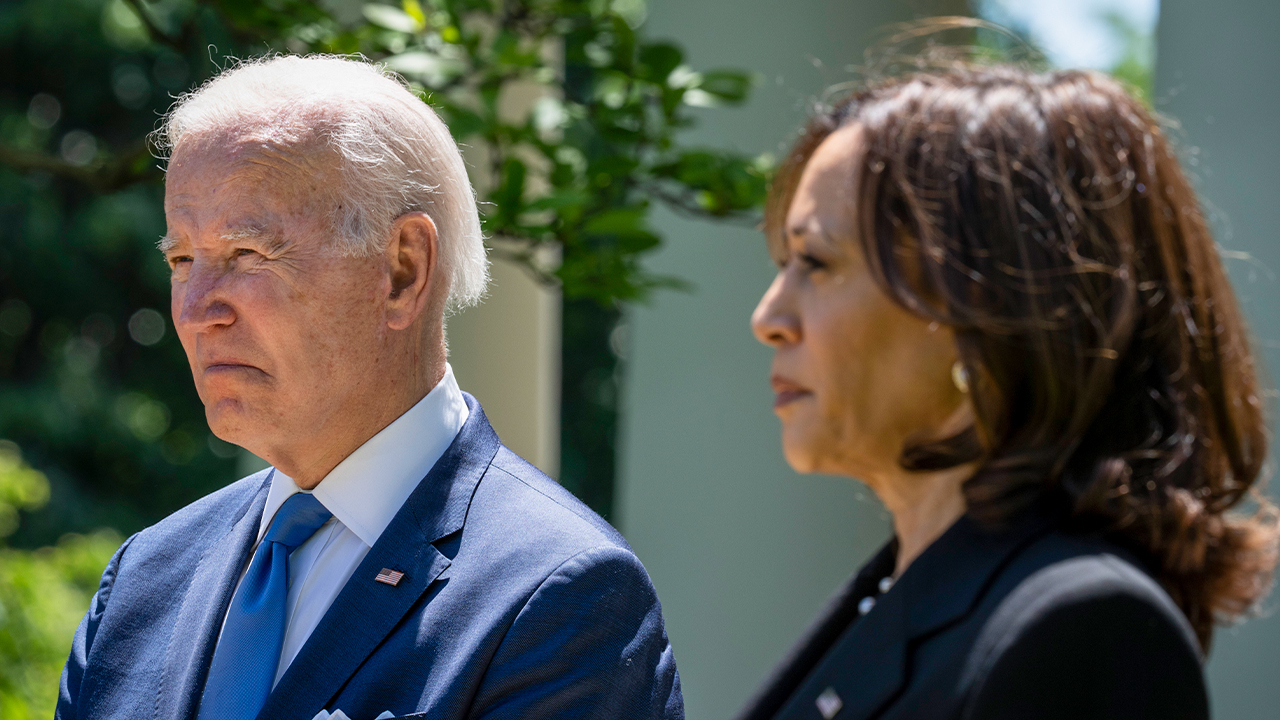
(517, 602)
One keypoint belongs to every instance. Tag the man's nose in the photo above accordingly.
(203, 301)
(774, 322)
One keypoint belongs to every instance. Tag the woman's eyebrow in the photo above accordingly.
(812, 233)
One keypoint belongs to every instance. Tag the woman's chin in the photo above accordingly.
(802, 451)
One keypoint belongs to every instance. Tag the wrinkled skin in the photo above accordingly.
(299, 353)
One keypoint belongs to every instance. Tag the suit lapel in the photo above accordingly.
(864, 669)
(946, 582)
(366, 611)
(195, 631)
(867, 666)
(832, 623)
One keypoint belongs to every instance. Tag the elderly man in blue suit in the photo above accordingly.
(397, 560)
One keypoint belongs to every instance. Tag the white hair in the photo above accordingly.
(396, 154)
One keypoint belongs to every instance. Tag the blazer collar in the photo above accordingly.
(951, 575)
(438, 507)
(864, 659)
(840, 612)
(365, 612)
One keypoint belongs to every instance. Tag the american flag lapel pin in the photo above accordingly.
(389, 577)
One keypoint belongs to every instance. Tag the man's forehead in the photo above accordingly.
(251, 127)
(237, 150)
(238, 166)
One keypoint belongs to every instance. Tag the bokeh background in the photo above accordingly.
(622, 148)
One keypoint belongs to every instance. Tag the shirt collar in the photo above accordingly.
(365, 491)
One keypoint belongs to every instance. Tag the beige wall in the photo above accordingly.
(506, 352)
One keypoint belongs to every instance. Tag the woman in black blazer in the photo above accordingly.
(998, 304)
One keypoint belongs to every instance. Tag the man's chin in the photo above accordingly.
(234, 421)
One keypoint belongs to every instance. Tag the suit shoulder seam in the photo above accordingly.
(114, 566)
(575, 513)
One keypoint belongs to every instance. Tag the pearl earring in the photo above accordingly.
(960, 376)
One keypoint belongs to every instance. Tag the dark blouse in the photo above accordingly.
(1029, 622)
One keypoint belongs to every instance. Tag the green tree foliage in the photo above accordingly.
(42, 594)
(1136, 65)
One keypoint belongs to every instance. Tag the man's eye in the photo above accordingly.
(177, 260)
(241, 252)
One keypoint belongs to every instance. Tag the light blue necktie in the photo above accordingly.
(245, 661)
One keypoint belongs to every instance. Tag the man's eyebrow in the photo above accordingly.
(167, 243)
(271, 239)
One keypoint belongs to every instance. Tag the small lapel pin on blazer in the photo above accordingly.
(829, 703)
(389, 577)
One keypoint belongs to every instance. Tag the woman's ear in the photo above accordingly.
(412, 260)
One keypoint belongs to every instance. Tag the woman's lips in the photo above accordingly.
(786, 398)
(786, 391)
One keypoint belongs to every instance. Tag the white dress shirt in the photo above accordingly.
(364, 492)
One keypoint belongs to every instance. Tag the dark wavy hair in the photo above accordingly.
(1045, 218)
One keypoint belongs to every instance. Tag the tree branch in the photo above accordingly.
(685, 205)
(527, 262)
(153, 29)
(104, 177)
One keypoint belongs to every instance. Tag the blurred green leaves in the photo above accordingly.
(553, 99)
(43, 594)
(21, 487)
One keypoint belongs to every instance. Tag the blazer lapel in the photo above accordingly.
(195, 632)
(866, 667)
(832, 623)
(366, 611)
(949, 578)
(863, 671)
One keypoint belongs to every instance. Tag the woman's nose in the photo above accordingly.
(774, 322)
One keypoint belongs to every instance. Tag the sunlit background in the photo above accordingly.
(639, 386)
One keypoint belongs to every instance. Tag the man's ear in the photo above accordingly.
(412, 260)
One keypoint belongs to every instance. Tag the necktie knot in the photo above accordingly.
(296, 520)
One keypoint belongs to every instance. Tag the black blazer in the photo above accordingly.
(1029, 623)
